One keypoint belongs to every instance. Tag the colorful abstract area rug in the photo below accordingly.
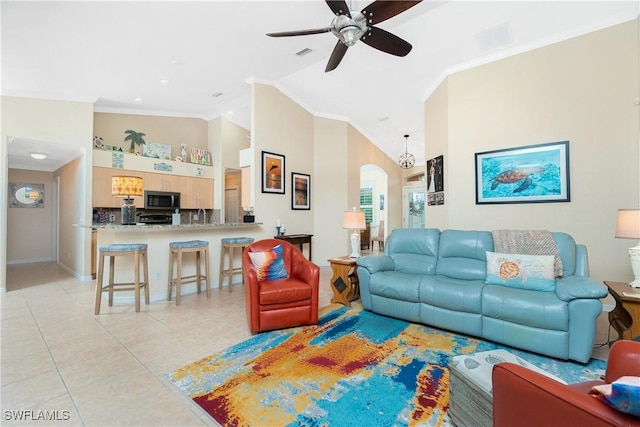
(354, 368)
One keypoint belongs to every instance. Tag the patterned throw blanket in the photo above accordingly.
(527, 242)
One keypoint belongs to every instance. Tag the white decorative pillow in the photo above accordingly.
(533, 272)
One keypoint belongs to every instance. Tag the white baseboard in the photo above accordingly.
(29, 261)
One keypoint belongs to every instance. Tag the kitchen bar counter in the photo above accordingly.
(168, 227)
(158, 237)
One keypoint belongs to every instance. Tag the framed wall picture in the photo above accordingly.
(530, 174)
(301, 194)
(273, 170)
(435, 174)
(25, 195)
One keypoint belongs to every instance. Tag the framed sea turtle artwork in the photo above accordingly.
(529, 174)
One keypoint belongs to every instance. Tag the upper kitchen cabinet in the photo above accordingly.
(196, 193)
(101, 196)
(161, 182)
(194, 182)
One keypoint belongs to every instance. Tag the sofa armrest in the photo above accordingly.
(624, 360)
(303, 269)
(375, 263)
(526, 398)
(578, 287)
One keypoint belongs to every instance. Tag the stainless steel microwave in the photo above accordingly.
(161, 200)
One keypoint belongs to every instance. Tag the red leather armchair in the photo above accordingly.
(281, 303)
(522, 397)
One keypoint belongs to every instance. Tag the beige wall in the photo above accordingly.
(73, 252)
(159, 129)
(57, 122)
(436, 125)
(329, 192)
(362, 152)
(581, 90)
(332, 152)
(283, 127)
(29, 236)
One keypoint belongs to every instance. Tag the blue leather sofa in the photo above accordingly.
(438, 279)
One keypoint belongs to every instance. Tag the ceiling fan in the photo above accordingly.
(349, 26)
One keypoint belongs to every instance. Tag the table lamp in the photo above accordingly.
(628, 227)
(354, 220)
(127, 186)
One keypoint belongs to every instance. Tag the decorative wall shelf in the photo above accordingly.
(105, 159)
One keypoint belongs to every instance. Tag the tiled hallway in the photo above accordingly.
(108, 370)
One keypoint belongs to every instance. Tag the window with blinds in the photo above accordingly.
(366, 203)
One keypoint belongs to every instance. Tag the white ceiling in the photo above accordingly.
(109, 53)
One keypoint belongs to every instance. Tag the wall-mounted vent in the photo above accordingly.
(494, 37)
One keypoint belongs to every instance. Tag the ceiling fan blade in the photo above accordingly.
(339, 7)
(386, 42)
(300, 32)
(336, 56)
(379, 11)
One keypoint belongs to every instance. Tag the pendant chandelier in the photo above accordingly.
(406, 161)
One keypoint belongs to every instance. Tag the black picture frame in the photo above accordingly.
(300, 191)
(529, 174)
(273, 173)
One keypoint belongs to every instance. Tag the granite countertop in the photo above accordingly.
(168, 227)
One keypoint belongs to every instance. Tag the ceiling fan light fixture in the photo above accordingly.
(349, 26)
(406, 160)
(350, 35)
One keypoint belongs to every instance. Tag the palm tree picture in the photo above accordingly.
(135, 138)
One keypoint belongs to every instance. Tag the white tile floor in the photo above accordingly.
(108, 370)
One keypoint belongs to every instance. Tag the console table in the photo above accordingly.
(344, 283)
(297, 239)
(625, 317)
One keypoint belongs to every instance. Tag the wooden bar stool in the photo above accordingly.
(139, 253)
(200, 247)
(228, 246)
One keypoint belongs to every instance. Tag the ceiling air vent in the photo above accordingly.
(304, 51)
(494, 37)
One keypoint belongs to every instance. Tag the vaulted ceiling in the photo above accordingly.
(196, 58)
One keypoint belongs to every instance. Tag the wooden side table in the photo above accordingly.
(297, 239)
(344, 283)
(625, 317)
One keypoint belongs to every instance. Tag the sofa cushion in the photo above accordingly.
(395, 285)
(462, 254)
(534, 272)
(414, 251)
(531, 308)
(452, 294)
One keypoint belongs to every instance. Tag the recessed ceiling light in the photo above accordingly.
(38, 156)
(230, 112)
(164, 81)
(137, 99)
(217, 94)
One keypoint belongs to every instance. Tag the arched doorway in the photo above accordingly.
(373, 199)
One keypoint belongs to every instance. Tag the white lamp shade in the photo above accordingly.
(628, 224)
(353, 220)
